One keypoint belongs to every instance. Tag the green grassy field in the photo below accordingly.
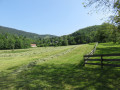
(10, 60)
(13, 62)
(108, 48)
(57, 68)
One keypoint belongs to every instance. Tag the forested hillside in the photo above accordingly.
(11, 38)
(5, 30)
(98, 33)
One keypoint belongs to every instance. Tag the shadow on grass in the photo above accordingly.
(12, 68)
(5, 81)
(108, 50)
(68, 76)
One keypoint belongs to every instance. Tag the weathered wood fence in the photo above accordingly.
(93, 51)
(86, 58)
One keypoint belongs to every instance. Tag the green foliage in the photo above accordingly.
(8, 41)
(107, 6)
(98, 33)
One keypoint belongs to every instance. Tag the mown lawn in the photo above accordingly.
(11, 60)
(61, 58)
(65, 71)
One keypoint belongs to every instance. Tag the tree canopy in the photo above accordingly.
(106, 5)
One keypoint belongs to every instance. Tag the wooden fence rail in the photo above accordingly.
(87, 58)
(93, 51)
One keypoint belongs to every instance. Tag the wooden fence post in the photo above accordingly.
(91, 53)
(84, 62)
(101, 62)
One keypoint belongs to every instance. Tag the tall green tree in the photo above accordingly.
(1, 43)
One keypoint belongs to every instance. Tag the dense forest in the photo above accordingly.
(98, 33)
(8, 41)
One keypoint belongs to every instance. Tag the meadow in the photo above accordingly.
(57, 68)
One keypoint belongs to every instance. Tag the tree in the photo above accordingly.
(19, 44)
(101, 4)
(1, 43)
(11, 43)
(65, 42)
(6, 45)
(101, 36)
(106, 5)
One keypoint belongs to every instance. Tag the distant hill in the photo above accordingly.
(97, 33)
(87, 31)
(4, 30)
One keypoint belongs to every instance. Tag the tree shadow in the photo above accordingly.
(68, 76)
(108, 50)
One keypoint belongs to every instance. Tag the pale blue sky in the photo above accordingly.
(56, 17)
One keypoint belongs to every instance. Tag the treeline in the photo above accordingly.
(8, 41)
(98, 33)
(58, 41)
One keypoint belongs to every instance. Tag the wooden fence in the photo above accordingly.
(93, 51)
(86, 58)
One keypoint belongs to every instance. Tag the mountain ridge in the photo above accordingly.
(31, 35)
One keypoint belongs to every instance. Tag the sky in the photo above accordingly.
(55, 17)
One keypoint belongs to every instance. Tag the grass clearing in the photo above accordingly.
(10, 59)
(65, 72)
(61, 57)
